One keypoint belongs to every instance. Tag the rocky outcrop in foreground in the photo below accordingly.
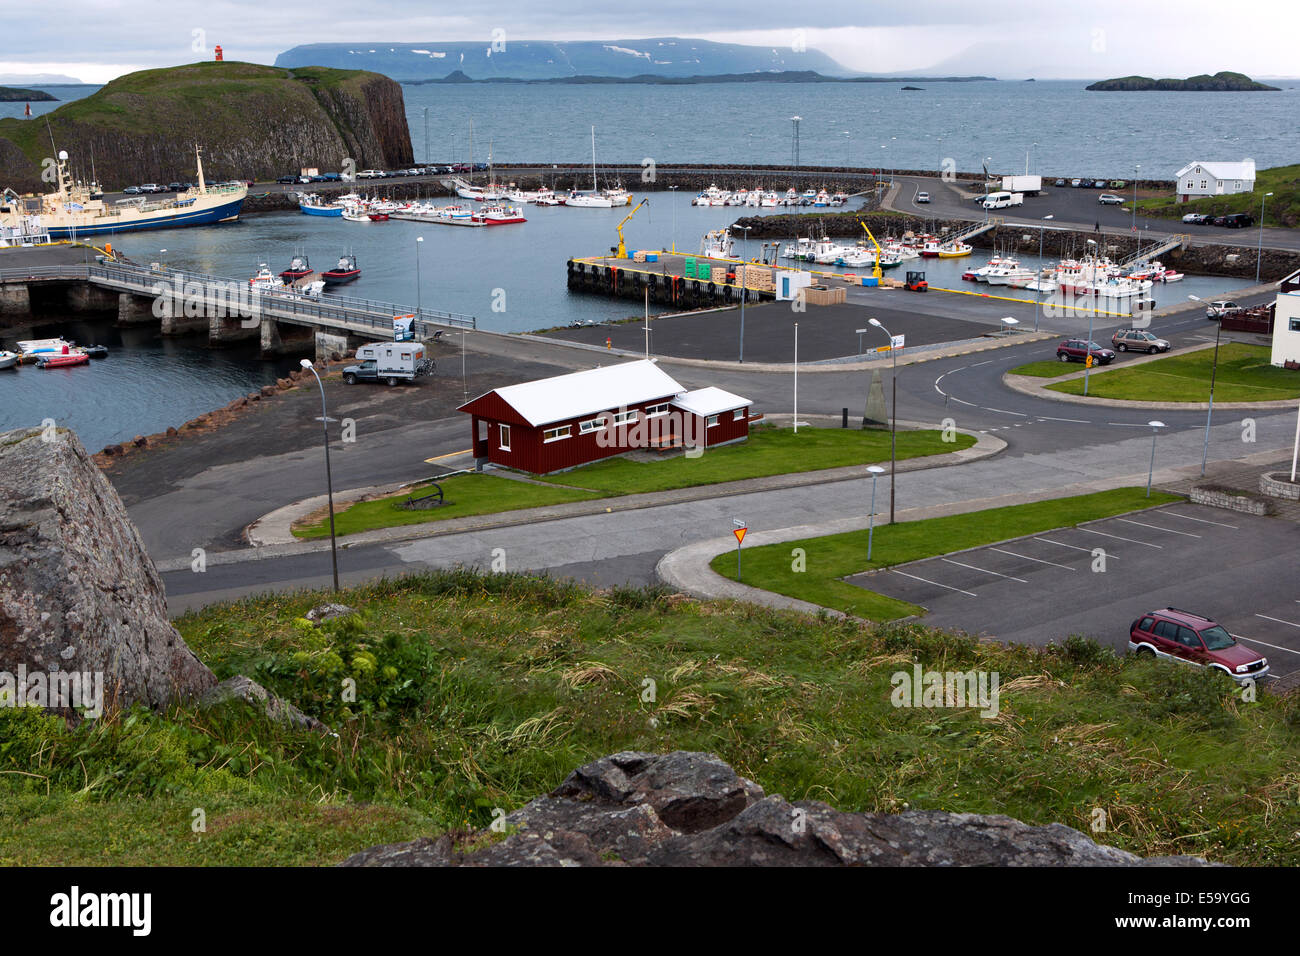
(77, 590)
(691, 809)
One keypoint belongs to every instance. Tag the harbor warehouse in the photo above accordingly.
(553, 424)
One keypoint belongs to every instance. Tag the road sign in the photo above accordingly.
(896, 341)
(740, 535)
(737, 522)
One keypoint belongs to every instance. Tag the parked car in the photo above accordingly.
(1110, 199)
(922, 197)
(1221, 307)
(287, 179)
(1076, 183)
(175, 187)
(1076, 350)
(1099, 184)
(1138, 340)
(370, 174)
(153, 188)
(1236, 220)
(1188, 638)
(1197, 218)
(1117, 184)
(133, 190)
(1060, 182)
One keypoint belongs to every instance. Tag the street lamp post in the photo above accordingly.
(1155, 430)
(1259, 248)
(1214, 371)
(1038, 306)
(1135, 198)
(329, 480)
(418, 241)
(744, 289)
(893, 415)
(876, 472)
(673, 191)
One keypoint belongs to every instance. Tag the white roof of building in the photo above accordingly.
(563, 397)
(1242, 170)
(709, 401)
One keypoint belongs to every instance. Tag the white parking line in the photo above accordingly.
(1028, 558)
(985, 570)
(1156, 527)
(1276, 647)
(1075, 547)
(1118, 538)
(1201, 520)
(1278, 619)
(1004, 411)
(935, 583)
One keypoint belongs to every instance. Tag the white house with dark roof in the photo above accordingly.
(1286, 323)
(1198, 180)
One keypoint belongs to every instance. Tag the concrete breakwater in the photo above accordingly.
(1203, 259)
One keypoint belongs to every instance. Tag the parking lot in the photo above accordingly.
(1238, 569)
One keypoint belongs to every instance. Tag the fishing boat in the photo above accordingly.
(498, 215)
(377, 216)
(71, 211)
(800, 249)
(65, 360)
(618, 196)
(299, 268)
(718, 244)
(345, 271)
(265, 280)
(312, 205)
(8, 359)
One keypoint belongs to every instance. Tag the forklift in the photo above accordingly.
(916, 282)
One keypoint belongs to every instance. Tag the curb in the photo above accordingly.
(986, 446)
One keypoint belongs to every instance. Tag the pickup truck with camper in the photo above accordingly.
(389, 362)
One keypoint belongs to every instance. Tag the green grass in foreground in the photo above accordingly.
(1044, 369)
(830, 558)
(769, 451)
(1244, 376)
(475, 692)
(472, 494)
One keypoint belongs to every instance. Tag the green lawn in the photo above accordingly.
(830, 558)
(475, 692)
(1043, 369)
(769, 451)
(1244, 376)
(472, 494)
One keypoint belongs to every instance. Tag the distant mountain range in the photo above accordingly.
(38, 79)
(786, 76)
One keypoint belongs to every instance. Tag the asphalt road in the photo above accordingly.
(1238, 569)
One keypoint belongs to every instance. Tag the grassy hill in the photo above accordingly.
(483, 691)
(1221, 82)
(1280, 209)
(252, 120)
(11, 94)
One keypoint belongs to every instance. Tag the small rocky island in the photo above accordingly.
(1218, 83)
(13, 94)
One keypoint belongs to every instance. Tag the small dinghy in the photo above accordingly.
(95, 351)
(8, 360)
(63, 361)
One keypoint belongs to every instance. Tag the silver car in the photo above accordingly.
(1138, 340)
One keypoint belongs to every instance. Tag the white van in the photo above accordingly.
(1001, 200)
(389, 362)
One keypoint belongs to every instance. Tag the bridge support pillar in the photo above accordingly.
(286, 339)
(226, 330)
(85, 297)
(15, 299)
(332, 346)
(134, 310)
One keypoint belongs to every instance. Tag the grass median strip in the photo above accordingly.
(1244, 375)
(1043, 369)
(828, 559)
(769, 451)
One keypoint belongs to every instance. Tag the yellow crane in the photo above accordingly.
(622, 247)
(875, 269)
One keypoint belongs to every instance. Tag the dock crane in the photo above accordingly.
(875, 268)
(622, 247)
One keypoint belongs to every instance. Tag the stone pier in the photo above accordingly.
(15, 299)
(285, 339)
(228, 330)
(133, 309)
(85, 297)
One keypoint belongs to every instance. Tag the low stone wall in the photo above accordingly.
(1222, 499)
(1277, 484)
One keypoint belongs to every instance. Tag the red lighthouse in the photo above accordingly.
(219, 56)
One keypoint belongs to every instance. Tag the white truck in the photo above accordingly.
(1022, 184)
(389, 362)
(1001, 200)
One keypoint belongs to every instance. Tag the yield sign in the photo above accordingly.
(740, 534)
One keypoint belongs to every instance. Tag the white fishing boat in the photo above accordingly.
(825, 252)
(718, 244)
(8, 359)
(800, 249)
(265, 280)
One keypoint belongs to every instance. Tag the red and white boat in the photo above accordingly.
(498, 215)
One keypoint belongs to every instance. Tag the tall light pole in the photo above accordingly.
(673, 193)
(1214, 371)
(1135, 198)
(426, 135)
(1259, 249)
(1087, 359)
(329, 480)
(1038, 306)
(744, 289)
(893, 415)
(1155, 430)
(876, 472)
(419, 240)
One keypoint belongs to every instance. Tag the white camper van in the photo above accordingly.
(1002, 200)
(389, 362)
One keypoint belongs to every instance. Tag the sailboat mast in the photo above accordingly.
(593, 159)
(471, 151)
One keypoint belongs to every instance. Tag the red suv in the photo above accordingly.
(1076, 350)
(1192, 639)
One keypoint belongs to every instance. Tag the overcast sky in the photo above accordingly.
(1009, 38)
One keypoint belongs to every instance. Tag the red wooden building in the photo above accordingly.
(558, 423)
